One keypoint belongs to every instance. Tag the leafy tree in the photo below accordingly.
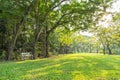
(15, 13)
(39, 18)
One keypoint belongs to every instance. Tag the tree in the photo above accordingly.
(11, 10)
(81, 16)
(42, 17)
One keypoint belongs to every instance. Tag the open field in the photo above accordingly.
(64, 67)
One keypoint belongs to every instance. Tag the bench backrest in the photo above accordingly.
(26, 54)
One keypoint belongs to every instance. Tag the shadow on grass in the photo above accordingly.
(65, 68)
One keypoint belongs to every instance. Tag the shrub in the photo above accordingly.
(2, 57)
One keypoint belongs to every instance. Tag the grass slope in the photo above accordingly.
(64, 67)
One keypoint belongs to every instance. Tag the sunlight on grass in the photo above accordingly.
(104, 72)
(77, 75)
(44, 68)
(24, 61)
(64, 67)
(33, 76)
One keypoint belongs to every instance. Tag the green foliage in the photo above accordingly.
(30, 22)
(65, 38)
(2, 56)
(64, 67)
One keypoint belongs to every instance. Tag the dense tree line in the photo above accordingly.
(43, 26)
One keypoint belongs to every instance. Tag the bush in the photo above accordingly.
(2, 57)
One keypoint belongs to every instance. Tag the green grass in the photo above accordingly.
(64, 67)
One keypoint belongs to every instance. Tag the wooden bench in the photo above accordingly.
(26, 55)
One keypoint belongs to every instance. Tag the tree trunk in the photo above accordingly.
(60, 49)
(42, 45)
(46, 45)
(90, 49)
(46, 41)
(33, 50)
(97, 50)
(10, 52)
(104, 50)
(11, 47)
(109, 50)
(37, 35)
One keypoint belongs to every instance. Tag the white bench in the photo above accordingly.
(25, 55)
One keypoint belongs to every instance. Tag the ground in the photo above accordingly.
(64, 67)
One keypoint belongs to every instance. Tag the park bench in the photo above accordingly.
(26, 55)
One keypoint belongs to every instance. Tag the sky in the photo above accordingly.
(116, 6)
(107, 18)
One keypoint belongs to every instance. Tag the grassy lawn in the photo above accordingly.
(64, 67)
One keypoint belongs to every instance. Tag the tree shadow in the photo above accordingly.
(67, 68)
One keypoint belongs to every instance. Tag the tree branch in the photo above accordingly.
(57, 23)
(52, 8)
(25, 15)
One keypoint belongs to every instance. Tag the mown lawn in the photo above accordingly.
(64, 67)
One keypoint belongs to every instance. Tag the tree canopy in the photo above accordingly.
(43, 26)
